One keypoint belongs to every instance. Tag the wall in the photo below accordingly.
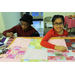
(10, 19)
(2, 28)
(46, 14)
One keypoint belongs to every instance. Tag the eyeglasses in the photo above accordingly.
(56, 24)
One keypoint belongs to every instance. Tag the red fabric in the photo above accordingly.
(72, 40)
(20, 32)
(68, 44)
(51, 33)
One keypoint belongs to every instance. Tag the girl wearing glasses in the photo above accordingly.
(57, 30)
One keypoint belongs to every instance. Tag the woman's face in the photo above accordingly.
(25, 26)
(58, 25)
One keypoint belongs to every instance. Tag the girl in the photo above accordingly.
(57, 30)
(24, 29)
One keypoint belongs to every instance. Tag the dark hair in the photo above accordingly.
(57, 16)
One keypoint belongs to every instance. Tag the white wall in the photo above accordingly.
(2, 28)
(10, 19)
(46, 14)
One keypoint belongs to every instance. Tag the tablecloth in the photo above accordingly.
(69, 22)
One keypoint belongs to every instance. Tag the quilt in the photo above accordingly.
(70, 44)
(30, 50)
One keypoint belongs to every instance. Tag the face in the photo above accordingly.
(58, 25)
(25, 26)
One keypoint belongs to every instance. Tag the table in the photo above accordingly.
(18, 60)
(69, 22)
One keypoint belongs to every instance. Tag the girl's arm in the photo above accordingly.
(45, 42)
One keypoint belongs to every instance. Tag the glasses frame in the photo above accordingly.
(56, 24)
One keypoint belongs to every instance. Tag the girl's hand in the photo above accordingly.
(60, 48)
(10, 34)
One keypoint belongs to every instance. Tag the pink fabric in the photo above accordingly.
(70, 22)
(10, 60)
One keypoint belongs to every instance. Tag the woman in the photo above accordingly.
(23, 30)
(57, 30)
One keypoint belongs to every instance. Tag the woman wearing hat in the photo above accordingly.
(24, 29)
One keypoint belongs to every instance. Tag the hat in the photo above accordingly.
(27, 18)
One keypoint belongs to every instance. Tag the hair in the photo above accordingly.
(57, 16)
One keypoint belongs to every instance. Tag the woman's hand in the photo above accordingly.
(60, 48)
(10, 34)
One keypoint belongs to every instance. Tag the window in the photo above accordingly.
(37, 15)
(37, 21)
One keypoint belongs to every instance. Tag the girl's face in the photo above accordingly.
(25, 26)
(58, 25)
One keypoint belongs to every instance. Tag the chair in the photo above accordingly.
(47, 24)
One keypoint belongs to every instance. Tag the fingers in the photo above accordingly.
(11, 34)
(63, 48)
(60, 48)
